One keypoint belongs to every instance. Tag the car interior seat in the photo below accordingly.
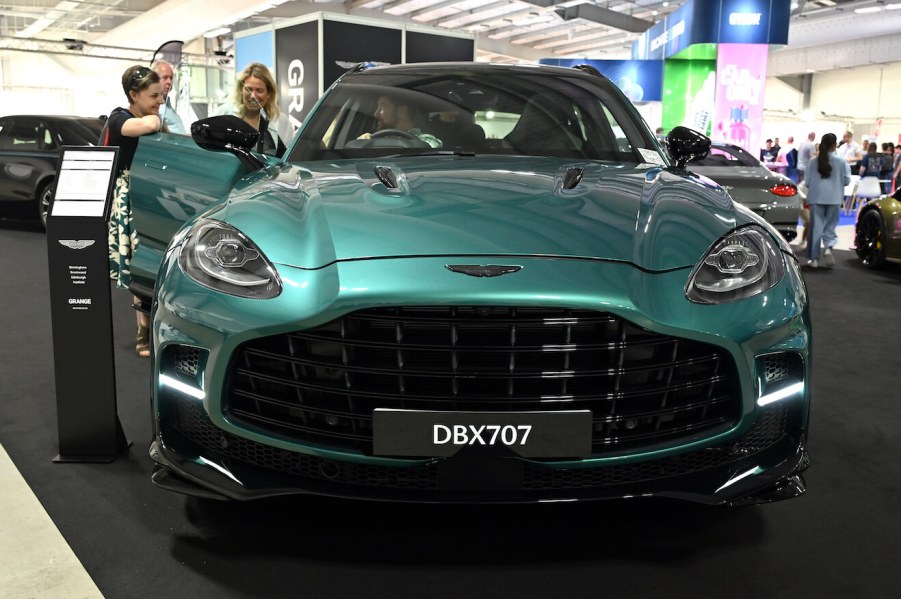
(543, 127)
(459, 133)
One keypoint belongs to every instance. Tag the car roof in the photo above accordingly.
(471, 67)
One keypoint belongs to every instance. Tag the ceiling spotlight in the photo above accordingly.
(73, 44)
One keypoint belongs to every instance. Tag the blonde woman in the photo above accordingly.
(256, 102)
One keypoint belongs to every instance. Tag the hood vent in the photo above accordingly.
(572, 177)
(387, 177)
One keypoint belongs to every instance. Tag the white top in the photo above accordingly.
(849, 151)
(280, 129)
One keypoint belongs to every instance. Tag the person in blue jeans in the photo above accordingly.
(826, 177)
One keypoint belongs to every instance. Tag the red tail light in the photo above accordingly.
(783, 189)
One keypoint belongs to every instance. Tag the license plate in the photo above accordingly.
(417, 433)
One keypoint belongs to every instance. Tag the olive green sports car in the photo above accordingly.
(466, 283)
(878, 231)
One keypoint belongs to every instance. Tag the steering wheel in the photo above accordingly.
(394, 133)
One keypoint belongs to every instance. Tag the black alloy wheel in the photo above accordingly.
(870, 239)
(45, 197)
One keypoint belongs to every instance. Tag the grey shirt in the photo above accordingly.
(831, 190)
(805, 152)
(171, 118)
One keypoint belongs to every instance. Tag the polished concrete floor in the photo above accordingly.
(35, 560)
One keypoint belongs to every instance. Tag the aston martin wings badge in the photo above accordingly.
(483, 270)
(76, 244)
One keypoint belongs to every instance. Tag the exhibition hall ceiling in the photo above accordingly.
(505, 30)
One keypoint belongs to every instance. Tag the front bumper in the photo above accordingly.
(200, 451)
(763, 465)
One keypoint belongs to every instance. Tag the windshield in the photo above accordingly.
(475, 111)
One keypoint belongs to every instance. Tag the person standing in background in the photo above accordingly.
(788, 156)
(896, 173)
(124, 126)
(850, 151)
(768, 154)
(826, 178)
(170, 117)
(888, 166)
(256, 103)
(871, 164)
(806, 151)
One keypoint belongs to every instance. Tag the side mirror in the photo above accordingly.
(687, 144)
(228, 133)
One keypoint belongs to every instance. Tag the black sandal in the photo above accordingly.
(142, 343)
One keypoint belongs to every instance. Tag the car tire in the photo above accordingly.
(44, 199)
(870, 239)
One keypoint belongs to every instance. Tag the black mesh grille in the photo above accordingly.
(321, 385)
(186, 360)
(192, 423)
(776, 367)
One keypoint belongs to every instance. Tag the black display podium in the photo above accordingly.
(80, 307)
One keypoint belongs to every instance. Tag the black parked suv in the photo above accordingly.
(29, 153)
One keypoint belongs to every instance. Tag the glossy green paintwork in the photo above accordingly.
(485, 206)
(623, 241)
(445, 205)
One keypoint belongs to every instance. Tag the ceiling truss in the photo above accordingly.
(505, 30)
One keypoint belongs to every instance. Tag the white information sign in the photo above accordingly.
(83, 182)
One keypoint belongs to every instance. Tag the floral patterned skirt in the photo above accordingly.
(123, 238)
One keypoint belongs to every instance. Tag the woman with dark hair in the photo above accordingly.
(871, 163)
(124, 126)
(826, 178)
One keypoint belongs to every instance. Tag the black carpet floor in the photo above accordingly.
(842, 539)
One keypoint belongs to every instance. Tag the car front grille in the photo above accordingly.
(321, 385)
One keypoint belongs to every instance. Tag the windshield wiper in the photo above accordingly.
(434, 153)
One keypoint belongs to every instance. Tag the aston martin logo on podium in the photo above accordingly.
(76, 244)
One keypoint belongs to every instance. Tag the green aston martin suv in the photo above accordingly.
(466, 283)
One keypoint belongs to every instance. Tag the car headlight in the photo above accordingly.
(742, 264)
(220, 257)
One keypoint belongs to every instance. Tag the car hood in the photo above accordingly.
(489, 208)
